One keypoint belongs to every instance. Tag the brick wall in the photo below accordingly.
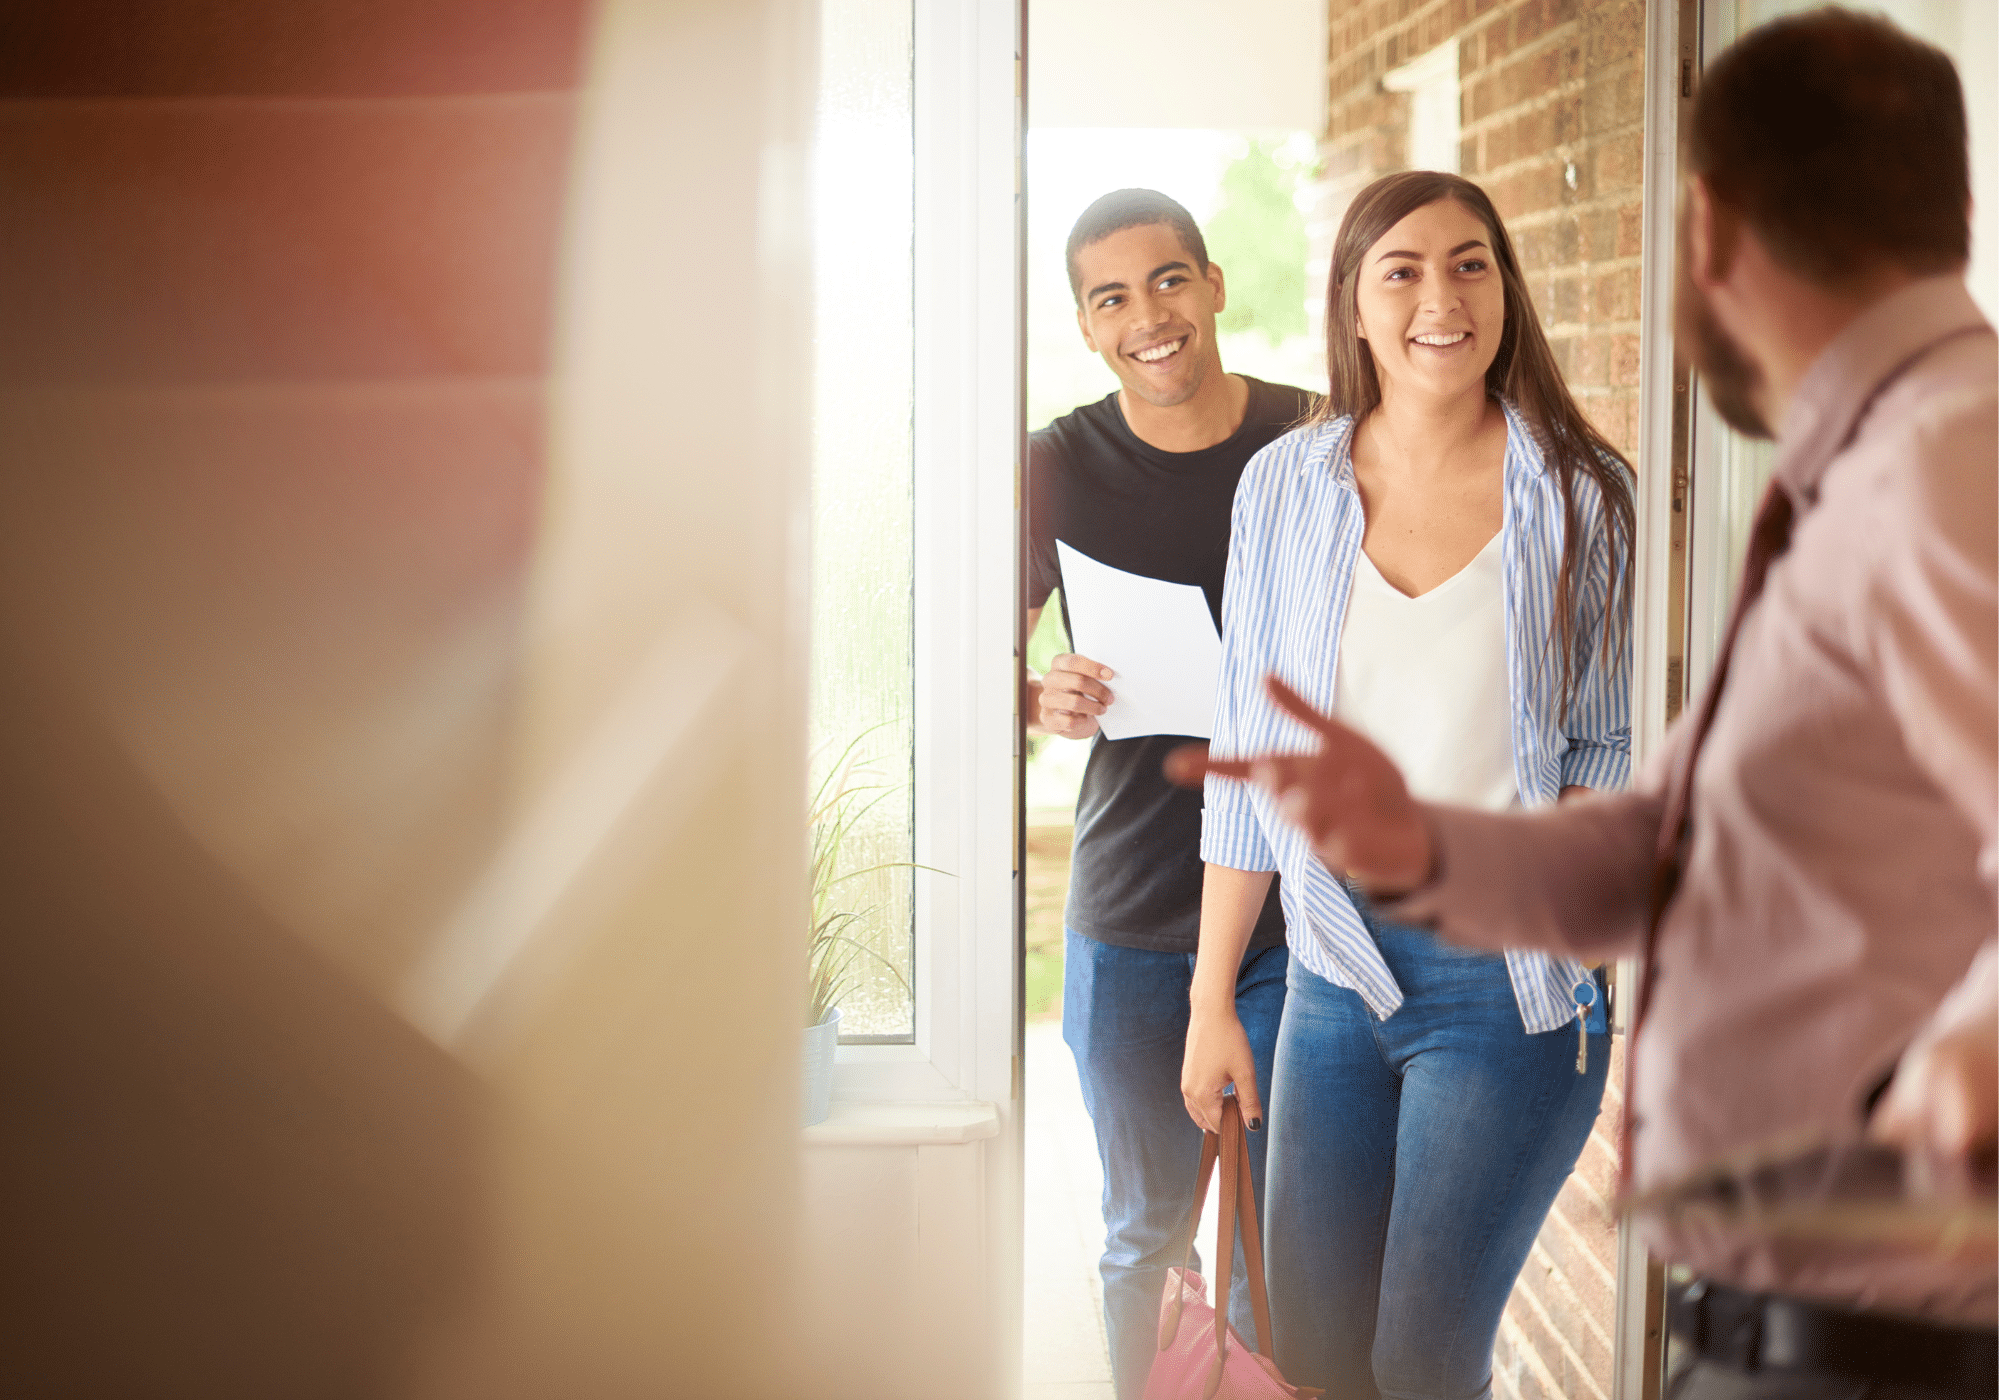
(1555, 1339)
(1551, 115)
(1551, 122)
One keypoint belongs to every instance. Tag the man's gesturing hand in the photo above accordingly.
(1073, 694)
(1349, 798)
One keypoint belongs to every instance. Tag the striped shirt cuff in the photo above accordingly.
(1596, 766)
(1232, 836)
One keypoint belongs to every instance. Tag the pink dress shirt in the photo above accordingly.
(1841, 876)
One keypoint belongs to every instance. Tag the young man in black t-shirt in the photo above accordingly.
(1143, 481)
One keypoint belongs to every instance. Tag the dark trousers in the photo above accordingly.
(1739, 1345)
(1711, 1380)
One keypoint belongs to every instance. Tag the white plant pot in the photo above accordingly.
(820, 1043)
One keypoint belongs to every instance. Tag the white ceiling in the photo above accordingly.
(1250, 64)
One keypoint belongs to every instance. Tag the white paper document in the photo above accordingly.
(1158, 638)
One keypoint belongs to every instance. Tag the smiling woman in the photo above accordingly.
(1440, 558)
(1506, 350)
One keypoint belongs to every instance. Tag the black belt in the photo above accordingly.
(1770, 1332)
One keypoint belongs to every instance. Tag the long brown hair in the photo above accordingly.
(1523, 373)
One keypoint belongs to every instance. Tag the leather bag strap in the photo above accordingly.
(1210, 1151)
(1252, 1240)
(1238, 1214)
(1169, 1315)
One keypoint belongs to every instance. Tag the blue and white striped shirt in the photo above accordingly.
(1295, 540)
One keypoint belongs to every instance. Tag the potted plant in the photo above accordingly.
(844, 797)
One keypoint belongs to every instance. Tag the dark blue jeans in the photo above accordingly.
(1124, 1014)
(1412, 1162)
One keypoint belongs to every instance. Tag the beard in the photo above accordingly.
(1728, 374)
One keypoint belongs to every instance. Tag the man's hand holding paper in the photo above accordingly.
(1157, 638)
(1072, 695)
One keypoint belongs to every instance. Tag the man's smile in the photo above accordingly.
(1153, 354)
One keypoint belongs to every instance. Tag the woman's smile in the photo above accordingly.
(1441, 340)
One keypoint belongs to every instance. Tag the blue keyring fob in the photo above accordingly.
(1593, 1016)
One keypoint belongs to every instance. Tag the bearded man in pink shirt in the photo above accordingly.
(1807, 868)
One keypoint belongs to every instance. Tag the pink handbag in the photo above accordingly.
(1200, 1356)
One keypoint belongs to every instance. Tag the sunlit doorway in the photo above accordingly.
(1290, 110)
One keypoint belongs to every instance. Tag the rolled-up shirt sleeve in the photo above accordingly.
(1231, 834)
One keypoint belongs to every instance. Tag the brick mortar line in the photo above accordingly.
(1585, 327)
(1415, 20)
(1603, 1140)
(1502, 1383)
(1574, 1357)
(1604, 1276)
(1568, 150)
(1580, 265)
(1532, 48)
(1568, 1300)
(1569, 329)
(1612, 203)
(1577, 147)
(1617, 197)
(1581, 1183)
(1549, 218)
(1601, 1337)
(1524, 1348)
(1542, 97)
(1565, 151)
(1614, 69)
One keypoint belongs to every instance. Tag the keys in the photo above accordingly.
(1584, 1004)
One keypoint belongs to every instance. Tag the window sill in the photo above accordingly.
(882, 1123)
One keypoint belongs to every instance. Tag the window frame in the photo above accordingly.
(967, 436)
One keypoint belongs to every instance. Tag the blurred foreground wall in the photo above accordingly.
(401, 471)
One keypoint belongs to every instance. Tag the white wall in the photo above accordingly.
(1258, 64)
(401, 525)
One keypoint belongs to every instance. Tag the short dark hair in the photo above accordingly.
(1840, 141)
(1123, 209)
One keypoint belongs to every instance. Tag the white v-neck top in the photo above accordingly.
(1294, 554)
(1425, 678)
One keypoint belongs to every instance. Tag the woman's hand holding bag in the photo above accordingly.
(1200, 1356)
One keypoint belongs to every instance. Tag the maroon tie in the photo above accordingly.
(1769, 537)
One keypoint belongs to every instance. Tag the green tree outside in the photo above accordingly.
(1258, 236)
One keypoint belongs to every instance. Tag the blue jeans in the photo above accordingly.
(1412, 1162)
(1124, 1014)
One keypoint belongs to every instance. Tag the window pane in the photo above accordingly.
(862, 520)
(1737, 471)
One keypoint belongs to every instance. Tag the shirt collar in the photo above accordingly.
(1856, 366)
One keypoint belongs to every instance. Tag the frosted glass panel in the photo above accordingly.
(862, 472)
